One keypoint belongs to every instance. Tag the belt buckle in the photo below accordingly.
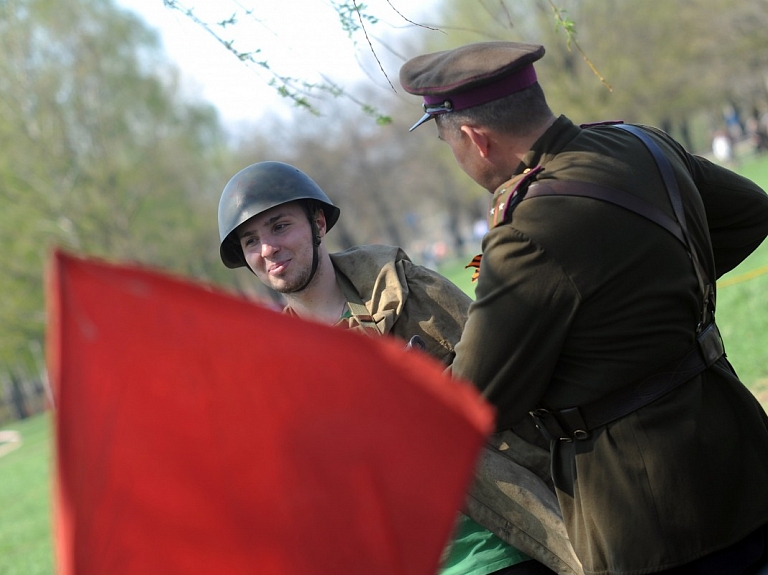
(552, 427)
(544, 419)
(710, 344)
(574, 419)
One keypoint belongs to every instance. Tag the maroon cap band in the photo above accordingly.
(487, 93)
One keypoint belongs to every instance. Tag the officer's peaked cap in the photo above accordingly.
(468, 76)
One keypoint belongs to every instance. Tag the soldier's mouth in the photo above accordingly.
(278, 268)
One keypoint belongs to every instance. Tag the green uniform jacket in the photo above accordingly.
(406, 299)
(577, 297)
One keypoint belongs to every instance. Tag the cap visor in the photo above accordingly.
(424, 118)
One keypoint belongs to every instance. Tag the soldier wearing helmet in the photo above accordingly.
(270, 203)
(273, 219)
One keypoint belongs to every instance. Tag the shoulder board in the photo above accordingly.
(509, 194)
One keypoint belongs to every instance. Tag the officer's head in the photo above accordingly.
(487, 104)
(492, 83)
(261, 187)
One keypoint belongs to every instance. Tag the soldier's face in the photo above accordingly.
(277, 245)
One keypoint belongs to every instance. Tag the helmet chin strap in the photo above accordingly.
(316, 239)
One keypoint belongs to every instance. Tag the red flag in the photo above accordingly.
(201, 433)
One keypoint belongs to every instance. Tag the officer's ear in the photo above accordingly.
(479, 138)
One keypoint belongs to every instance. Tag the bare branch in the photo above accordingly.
(354, 17)
(287, 87)
(569, 26)
(396, 11)
(367, 39)
(366, 108)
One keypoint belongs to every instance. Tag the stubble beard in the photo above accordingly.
(292, 285)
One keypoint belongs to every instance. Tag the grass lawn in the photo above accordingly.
(25, 529)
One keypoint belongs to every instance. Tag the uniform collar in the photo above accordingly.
(551, 142)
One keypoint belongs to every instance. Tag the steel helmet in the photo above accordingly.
(258, 188)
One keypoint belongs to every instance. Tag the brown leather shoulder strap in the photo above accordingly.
(607, 194)
(670, 182)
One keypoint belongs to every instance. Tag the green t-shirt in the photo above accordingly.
(476, 551)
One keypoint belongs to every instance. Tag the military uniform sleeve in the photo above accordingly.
(737, 212)
(435, 309)
(525, 303)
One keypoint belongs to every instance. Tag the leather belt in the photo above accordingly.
(576, 423)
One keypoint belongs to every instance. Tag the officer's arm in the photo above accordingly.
(523, 308)
(737, 213)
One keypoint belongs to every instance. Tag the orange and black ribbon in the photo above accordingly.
(475, 263)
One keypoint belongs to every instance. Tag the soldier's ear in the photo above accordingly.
(479, 138)
(322, 225)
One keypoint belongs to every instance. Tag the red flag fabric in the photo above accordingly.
(197, 432)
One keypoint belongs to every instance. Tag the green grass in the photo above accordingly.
(454, 271)
(742, 314)
(25, 527)
(756, 169)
